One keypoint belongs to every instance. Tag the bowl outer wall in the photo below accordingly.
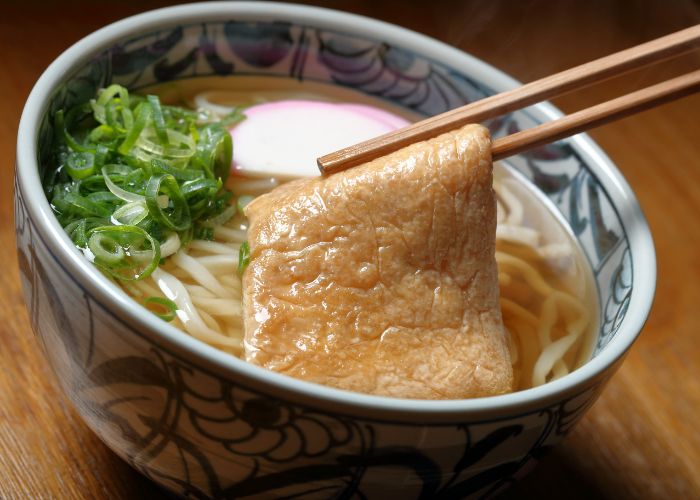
(281, 386)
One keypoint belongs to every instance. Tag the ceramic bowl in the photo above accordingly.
(202, 423)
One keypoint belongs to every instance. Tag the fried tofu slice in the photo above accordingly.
(382, 279)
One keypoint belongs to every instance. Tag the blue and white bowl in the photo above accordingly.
(202, 423)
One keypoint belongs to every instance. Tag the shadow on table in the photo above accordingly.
(562, 474)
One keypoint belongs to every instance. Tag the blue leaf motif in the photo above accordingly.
(59, 316)
(188, 448)
(208, 47)
(496, 124)
(549, 152)
(346, 58)
(25, 267)
(259, 44)
(475, 452)
(167, 71)
(552, 152)
(616, 306)
(129, 370)
(605, 238)
(398, 60)
(549, 183)
(263, 412)
(578, 223)
(127, 62)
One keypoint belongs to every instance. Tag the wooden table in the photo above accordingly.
(640, 440)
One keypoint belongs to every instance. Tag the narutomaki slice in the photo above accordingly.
(283, 138)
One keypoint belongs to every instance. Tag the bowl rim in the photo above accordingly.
(285, 388)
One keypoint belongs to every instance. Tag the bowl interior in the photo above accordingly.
(564, 172)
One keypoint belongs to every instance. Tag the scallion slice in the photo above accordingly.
(130, 214)
(143, 114)
(243, 258)
(242, 202)
(179, 145)
(219, 219)
(108, 94)
(164, 308)
(119, 192)
(176, 215)
(120, 251)
(158, 120)
(106, 249)
(80, 165)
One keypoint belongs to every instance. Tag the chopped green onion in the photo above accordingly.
(118, 169)
(219, 219)
(242, 202)
(213, 150)
(200, 186)
(203, 233)
(164, 308)
(234, 117)
(78, 230)
(187, 235)
(106, 249)
(101, 155)
(158, 120)
(120, 251)
(243, 258)
(62, 124)
(119, 117)
(72, 203)
(119, 192)
(103, 133)
(134, 180)
(178, 215)
(106, 95)
(131, 213)
(104, 197)
(181, 174)
(179, 145)
(143, 114)
(80, 165)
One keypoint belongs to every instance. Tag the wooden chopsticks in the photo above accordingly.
(592, 72)
(596, 115)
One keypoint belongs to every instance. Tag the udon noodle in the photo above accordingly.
(545, 291)
(548, 324)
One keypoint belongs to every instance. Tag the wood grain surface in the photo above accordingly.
(641, 440)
